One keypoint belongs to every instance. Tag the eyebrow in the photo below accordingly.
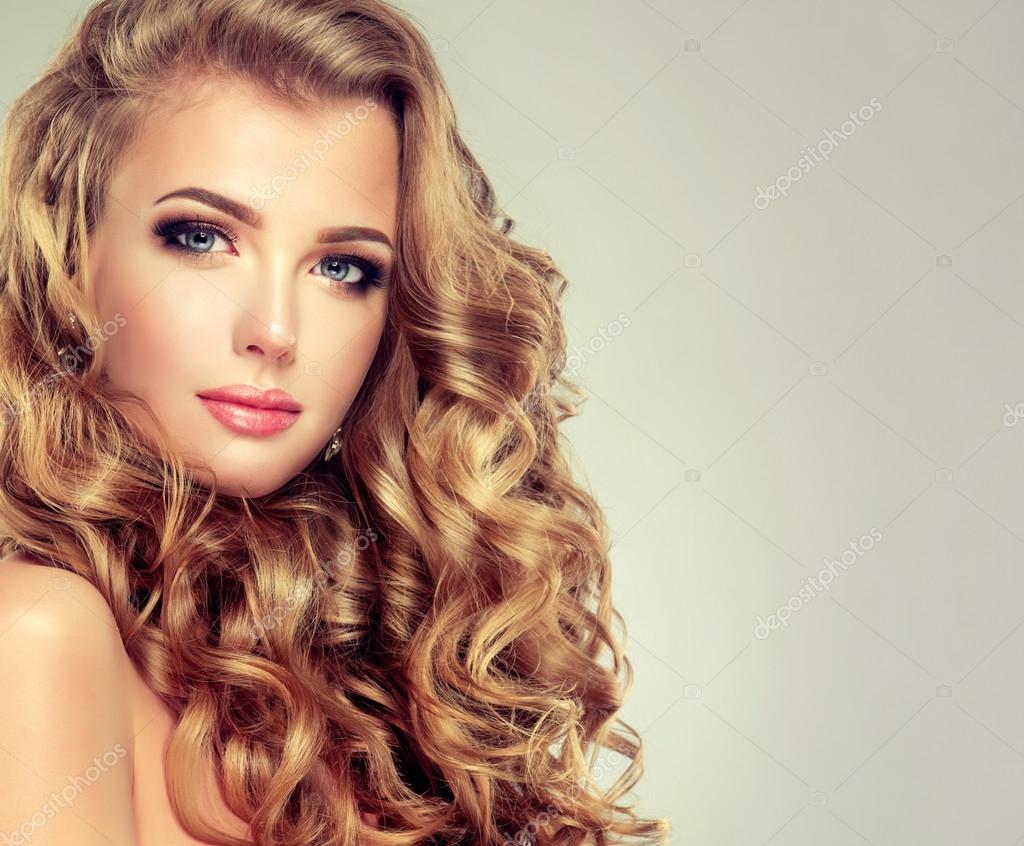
(247, 215)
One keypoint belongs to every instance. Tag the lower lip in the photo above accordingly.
(247, 420)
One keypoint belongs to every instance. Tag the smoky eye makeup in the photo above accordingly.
(193, 239)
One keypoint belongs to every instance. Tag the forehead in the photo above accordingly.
(230, 136)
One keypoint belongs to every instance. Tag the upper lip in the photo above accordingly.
(253, 396)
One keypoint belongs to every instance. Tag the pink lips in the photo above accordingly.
(250, 411)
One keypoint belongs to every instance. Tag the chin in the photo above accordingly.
(230, 482)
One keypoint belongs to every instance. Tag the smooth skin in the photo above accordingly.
(64, 707)
(81, 734)
(267, 310)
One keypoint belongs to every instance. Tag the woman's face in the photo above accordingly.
(290, 304)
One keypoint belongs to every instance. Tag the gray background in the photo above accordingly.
(825, 382)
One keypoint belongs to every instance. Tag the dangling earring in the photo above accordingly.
(333, 446)
(64, 350)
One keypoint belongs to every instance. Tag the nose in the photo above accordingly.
(276, 345)
(267, 328)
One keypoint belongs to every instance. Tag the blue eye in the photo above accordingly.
(339, 265)
(204, 240)
(371, 272)
(200, 236)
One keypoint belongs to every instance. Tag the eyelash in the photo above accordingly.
(374, 271)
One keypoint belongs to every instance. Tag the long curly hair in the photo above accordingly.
(421, 627)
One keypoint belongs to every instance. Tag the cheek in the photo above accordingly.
(354, 339)
(148, 343)
(158, 340)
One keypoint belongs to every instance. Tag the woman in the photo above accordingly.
(293, 549)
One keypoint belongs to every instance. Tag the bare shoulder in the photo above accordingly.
(59, 612)
(24, 580)
(65, 716)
